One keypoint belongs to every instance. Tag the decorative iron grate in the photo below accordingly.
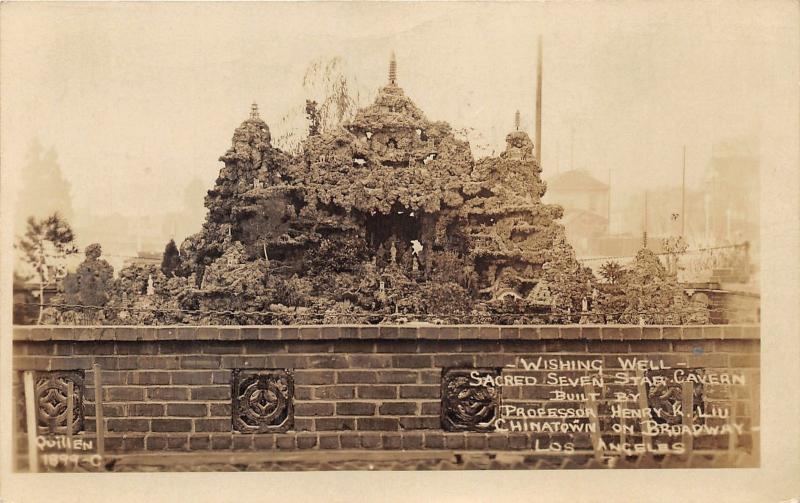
(666, 398)
(262, 400)
(51, 392)
(469, 404)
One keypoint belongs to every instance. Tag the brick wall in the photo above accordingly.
(726, 306)
(371, 387)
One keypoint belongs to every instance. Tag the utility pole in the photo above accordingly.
(683, 196)
(644, 233)
(539, 105)
(707, 214)
(608, 205)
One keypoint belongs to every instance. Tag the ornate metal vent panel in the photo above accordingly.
(666, 398)
(51, 401)
(262, 400)
(469, 404)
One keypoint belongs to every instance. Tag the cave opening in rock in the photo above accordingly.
(401, 225)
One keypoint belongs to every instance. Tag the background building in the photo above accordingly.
(585, 201)
(733, 192)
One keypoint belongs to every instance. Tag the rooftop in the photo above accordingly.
(575, 180)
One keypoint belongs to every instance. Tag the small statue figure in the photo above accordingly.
(381, 296)
(393, 253)
(150, 288)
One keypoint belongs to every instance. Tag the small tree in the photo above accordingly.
(612, 272)
(332, 91)
(675, 247)
(94, 277)
(46, 245)
(171, 259)
(569, 281)
(332, 99)
(89, 286)
(312, 113)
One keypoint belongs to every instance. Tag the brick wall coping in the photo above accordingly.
(387, 332)
(729, 291)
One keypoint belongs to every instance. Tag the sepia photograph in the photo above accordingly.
(403, 236)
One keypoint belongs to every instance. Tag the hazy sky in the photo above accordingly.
(139, 99)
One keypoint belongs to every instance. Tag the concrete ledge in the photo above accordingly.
(385, 332)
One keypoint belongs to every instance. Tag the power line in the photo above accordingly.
(697, 250)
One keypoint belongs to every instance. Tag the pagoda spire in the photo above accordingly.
(393, 70)
(516, 121)
(254, 111)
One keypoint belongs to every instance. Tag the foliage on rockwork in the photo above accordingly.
(230, 283)
(388, 156)
(645, 292)
(511, 232)
(142, 294)
(250, 163)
